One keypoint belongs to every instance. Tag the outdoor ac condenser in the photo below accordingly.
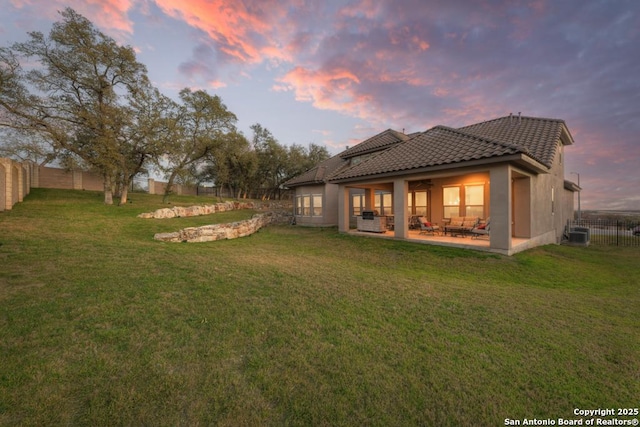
(578, 237)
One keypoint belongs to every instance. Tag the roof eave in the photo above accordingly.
(565, 135)
(520, 159)
(571, 186)
(300, 184)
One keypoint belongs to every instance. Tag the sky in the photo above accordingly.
(336, 72)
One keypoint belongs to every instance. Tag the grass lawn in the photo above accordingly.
(101, 325)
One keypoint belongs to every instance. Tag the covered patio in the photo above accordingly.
(466, 242)
(502, 192)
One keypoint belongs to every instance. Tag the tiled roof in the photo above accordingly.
(319, 173)
(326, 169)
(538, 136)
(376, 143)
(535, 138)
(437, 146)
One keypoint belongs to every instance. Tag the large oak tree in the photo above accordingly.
(77, 94)
(201, 124)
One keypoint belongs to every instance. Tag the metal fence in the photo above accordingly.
(605, 232)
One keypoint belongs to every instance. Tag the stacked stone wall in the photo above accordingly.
(182, 211)
(210, 233)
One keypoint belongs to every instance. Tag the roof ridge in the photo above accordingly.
(371, 144)
(514, 117)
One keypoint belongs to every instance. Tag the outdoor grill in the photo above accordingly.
(369, 221)
(367, 215)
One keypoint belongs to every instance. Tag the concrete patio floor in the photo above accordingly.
(464, 242)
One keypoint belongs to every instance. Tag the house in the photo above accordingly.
(510, 169)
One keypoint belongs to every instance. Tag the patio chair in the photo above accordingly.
(427, 228)
(481, 230)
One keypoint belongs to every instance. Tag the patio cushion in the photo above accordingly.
(456, 221)
(425, 222)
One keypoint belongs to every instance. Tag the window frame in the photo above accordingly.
(384, 207)
(418, 209)
(307, 206)
(467, 201)
(446, 207)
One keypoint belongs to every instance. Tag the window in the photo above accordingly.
(358, 204)
(309, 204)
(451, 201)
(383, 203)
(553, 200)
(303, 204)
(474, 200)
(317, 205)
(418, 203)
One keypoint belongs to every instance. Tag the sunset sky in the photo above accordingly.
(339, 71)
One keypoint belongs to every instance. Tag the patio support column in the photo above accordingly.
(500, 207)
(343, 208)
(369, 199)
(400, 204)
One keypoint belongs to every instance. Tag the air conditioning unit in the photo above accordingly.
(579, 237)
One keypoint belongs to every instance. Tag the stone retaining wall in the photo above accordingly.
(209, 233)
(181, 211)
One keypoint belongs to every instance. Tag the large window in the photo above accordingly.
(418, 203)
(451, 201)
(474, 200)
(383, 203)
(309, 205)
(358, 204)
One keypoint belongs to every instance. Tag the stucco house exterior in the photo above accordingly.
(510, 169)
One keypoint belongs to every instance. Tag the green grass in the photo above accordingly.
(101, 325)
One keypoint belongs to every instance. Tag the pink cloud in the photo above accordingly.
(108, 15)
(244, 31)
(324, 89)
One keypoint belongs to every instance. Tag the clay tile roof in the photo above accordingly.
(376, 143)
(537, 136)
(437, 146)
(336, 164)
(319, 173)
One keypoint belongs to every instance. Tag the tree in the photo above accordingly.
(201, 124)
(315, 155)
(76, 97)
(145, 134)
(277, 163)
(301, 159)
(272, 159)
(235, 165)
(25, 145)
